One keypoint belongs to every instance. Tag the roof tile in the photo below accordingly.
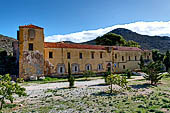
(82, 46)
(77, 46)
(30, 26)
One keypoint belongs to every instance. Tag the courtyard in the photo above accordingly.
(92, 96)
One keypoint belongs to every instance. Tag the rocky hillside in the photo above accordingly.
(147, 42)
(6, 44)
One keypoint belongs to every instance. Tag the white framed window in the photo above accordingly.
(61, 68)
(100, 67)
(88, 67)
(75, 68)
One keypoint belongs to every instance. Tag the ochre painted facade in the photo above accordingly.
(60, 58)
(39, 58)
(31, 62)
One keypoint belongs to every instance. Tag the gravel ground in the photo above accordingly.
(57, 98)
(35, 87)
(38, 90)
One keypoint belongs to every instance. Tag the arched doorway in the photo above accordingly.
(109, 67)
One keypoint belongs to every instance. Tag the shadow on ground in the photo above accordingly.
(141, 86)
(98, 85)
(104, 94)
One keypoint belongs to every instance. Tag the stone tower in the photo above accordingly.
(31, 51)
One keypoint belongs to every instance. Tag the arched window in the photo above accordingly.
(31, 33)
(61, 68)
(75, 68)
(100, 67)
(88, 67)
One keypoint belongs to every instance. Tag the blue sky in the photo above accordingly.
(61, 17)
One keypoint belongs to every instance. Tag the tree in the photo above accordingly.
(152, 71)
(157, 56)
(8, 89)
(141, 64)
(70, 77)
(132, 43)
(111, 39)
(117, 80)
(166, 61)
(88, 74)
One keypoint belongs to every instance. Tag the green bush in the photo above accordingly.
(70, 77)
(71, 81)
(8, 89)
(128, 73)
(106, 75)
(117, 80)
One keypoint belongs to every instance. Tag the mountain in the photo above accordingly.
(6, 44)
(147, 42)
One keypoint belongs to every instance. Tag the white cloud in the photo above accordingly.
(145, 28)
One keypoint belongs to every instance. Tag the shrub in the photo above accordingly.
(128, 73)
(70, 77)
(106, 75)
(152, 71)
(71, 81)
(8, 89)
(88, 74)
(117, 80)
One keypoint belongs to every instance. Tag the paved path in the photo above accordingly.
(66, 84)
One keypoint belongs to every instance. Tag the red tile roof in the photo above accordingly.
(82, 46)
(121, 48)
(30, 26)
(68, 45)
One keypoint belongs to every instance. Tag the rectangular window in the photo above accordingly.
(129, 58)
(81, 55)
(68, 55)
(101, 55)
(30, 47)
(135, 58)
(92, 55)
(50, 54)
(115, 56)
(122, 58)
(124, 67)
